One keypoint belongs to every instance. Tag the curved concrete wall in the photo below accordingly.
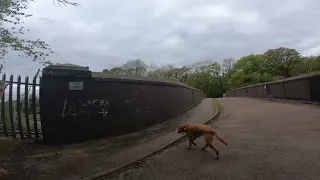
(97, 106)
(305, 87)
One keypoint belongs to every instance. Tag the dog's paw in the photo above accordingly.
(217, 158)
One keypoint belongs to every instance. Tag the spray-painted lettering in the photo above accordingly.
(85, 107)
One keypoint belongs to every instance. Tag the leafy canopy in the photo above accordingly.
(215, 79)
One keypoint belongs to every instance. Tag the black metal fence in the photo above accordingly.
(19, 113)
(303, 88)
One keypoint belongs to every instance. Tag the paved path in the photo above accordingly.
(89, 159)
(267, 141)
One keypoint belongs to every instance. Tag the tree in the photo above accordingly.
(11, 14)
(158, 72)
(214, 69)
(135, 68)
(201, 80)
(228, 65)
(236, 80)
(106, 71)
(116, 71)
(248, 70)
(282, 61)
(215, 79)
(208, 78)
(178, 74)
(251, 63)
(307, 65)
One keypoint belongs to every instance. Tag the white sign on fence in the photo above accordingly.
(76, 86)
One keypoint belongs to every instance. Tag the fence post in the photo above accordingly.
(3, 111)
(19, 107)
(26, 106)
(34, 112)
(11, 108)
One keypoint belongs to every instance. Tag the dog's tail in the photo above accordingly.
(220, 139)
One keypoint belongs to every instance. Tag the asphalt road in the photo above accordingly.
(267, 141)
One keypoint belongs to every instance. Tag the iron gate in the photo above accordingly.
(20, 108)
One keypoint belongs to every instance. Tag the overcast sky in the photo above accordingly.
(106, 33)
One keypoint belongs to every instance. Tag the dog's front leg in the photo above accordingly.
(190, 141)
(189, 144)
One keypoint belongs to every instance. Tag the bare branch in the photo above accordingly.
(66, 2)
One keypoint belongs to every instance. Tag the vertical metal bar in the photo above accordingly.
(39, 100)
(34, 113)
(26, 106)
(3, 117)
(11, 108)
(19, 108)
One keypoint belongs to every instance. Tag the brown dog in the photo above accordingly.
(194, 131)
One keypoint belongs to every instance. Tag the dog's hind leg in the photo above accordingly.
(204, 147)
(209, 138)
(213, 148)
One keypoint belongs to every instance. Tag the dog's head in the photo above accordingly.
(182, 128)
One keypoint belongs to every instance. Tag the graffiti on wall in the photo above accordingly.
(85, 107)
(141, 106)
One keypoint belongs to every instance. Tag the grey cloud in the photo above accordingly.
(106, 33)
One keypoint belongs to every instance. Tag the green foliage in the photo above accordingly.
(251, 63)
(282, 61)
(116, 71)
(135, 68)
(158, 72)
(248, 70)
(307, 65)
(130, 68)
(215, 79)
(209, 79)
(236, 80)
(178, 74)
(22, 108)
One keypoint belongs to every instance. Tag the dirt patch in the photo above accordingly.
(11, 157)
